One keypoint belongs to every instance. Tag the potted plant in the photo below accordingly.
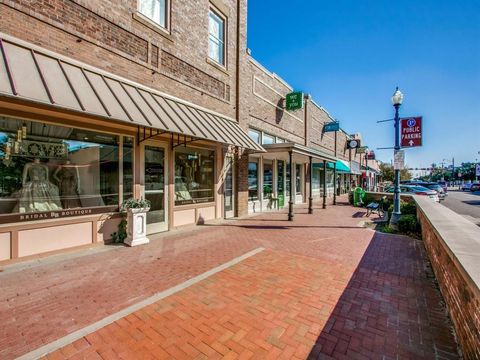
(136, 210)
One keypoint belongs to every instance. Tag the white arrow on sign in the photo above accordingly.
(411, 142)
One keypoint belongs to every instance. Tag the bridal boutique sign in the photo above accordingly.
(58, 214)
(41, 149)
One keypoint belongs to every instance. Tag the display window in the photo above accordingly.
(298, 178)
(194, 176)
(267, 179)
(51, 168)
(253, 180)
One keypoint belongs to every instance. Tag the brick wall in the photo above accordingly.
(111, 35)
(461, 294)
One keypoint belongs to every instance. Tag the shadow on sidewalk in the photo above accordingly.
(280, 227)
(389, 309)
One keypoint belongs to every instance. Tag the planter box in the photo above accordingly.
(137, 227)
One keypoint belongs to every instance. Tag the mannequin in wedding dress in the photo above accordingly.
(37, 193)
(68, 181)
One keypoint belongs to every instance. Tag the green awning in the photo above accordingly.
(342, 166)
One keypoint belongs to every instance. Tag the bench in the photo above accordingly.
(377, 208)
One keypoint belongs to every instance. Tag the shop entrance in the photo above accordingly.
(155, 190)
(229, 196)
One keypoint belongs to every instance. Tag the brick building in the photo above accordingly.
(299, 134)
(101, 101)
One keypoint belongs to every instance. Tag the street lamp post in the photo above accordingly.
(397, 100)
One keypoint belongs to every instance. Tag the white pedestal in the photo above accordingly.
(137, 227)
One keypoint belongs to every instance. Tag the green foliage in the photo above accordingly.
(387, 172)
(121, 233)
(408, 208)
(135, 204)
(408, 224)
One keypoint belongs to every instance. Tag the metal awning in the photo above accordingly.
(33, 74)
(299, 150)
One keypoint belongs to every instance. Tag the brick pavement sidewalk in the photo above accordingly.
(324, 287)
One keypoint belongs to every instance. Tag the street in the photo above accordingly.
(464, 203)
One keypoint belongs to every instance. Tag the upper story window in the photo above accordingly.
(254, 135)
(216, 37)
(155, 10)
(268, 139)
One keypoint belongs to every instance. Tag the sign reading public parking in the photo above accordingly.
(294, 101)
(411, 132)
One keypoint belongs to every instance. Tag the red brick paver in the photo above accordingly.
(323, 288)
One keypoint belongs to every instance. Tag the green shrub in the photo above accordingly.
(408, 224)
(121, 234)
(408, 208)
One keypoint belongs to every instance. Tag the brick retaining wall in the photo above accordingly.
(453, 246)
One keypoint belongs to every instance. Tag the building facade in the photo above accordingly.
(156, 99)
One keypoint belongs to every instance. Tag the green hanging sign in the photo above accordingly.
(294, 101)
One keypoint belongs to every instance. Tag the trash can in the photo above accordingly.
(358, 196)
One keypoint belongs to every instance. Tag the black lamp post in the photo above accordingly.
(397, 100)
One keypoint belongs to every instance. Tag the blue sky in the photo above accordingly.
(350, 55)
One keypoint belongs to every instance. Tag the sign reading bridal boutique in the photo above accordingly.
(41, 149)
(56, 214)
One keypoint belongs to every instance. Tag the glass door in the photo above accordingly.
(155, 189)
(229, 197)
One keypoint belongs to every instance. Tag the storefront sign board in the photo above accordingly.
(332, 126)
(294, 101)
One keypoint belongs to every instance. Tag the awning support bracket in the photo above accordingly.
(184, 142)
(144, 136)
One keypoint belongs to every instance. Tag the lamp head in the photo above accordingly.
(397, 97)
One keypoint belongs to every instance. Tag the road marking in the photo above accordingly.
(70, 338)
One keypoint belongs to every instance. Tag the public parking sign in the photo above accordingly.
(411, 131)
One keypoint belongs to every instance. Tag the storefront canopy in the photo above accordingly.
(33, 74)
(301, 150)
(341, 165)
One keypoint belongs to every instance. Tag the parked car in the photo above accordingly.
(466, 186)
(432, 186)
(443, 184)
(417, 190)
(475, 187)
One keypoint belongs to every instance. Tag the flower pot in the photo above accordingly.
(137, 227)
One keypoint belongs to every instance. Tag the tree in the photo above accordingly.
(388, 174)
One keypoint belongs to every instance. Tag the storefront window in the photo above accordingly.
(48, 167)
(194, 176)
(267, 179)
(316, 176)
(287, 176)
(298, 178)
(280, 176)
(253, 180)
(127, 160)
